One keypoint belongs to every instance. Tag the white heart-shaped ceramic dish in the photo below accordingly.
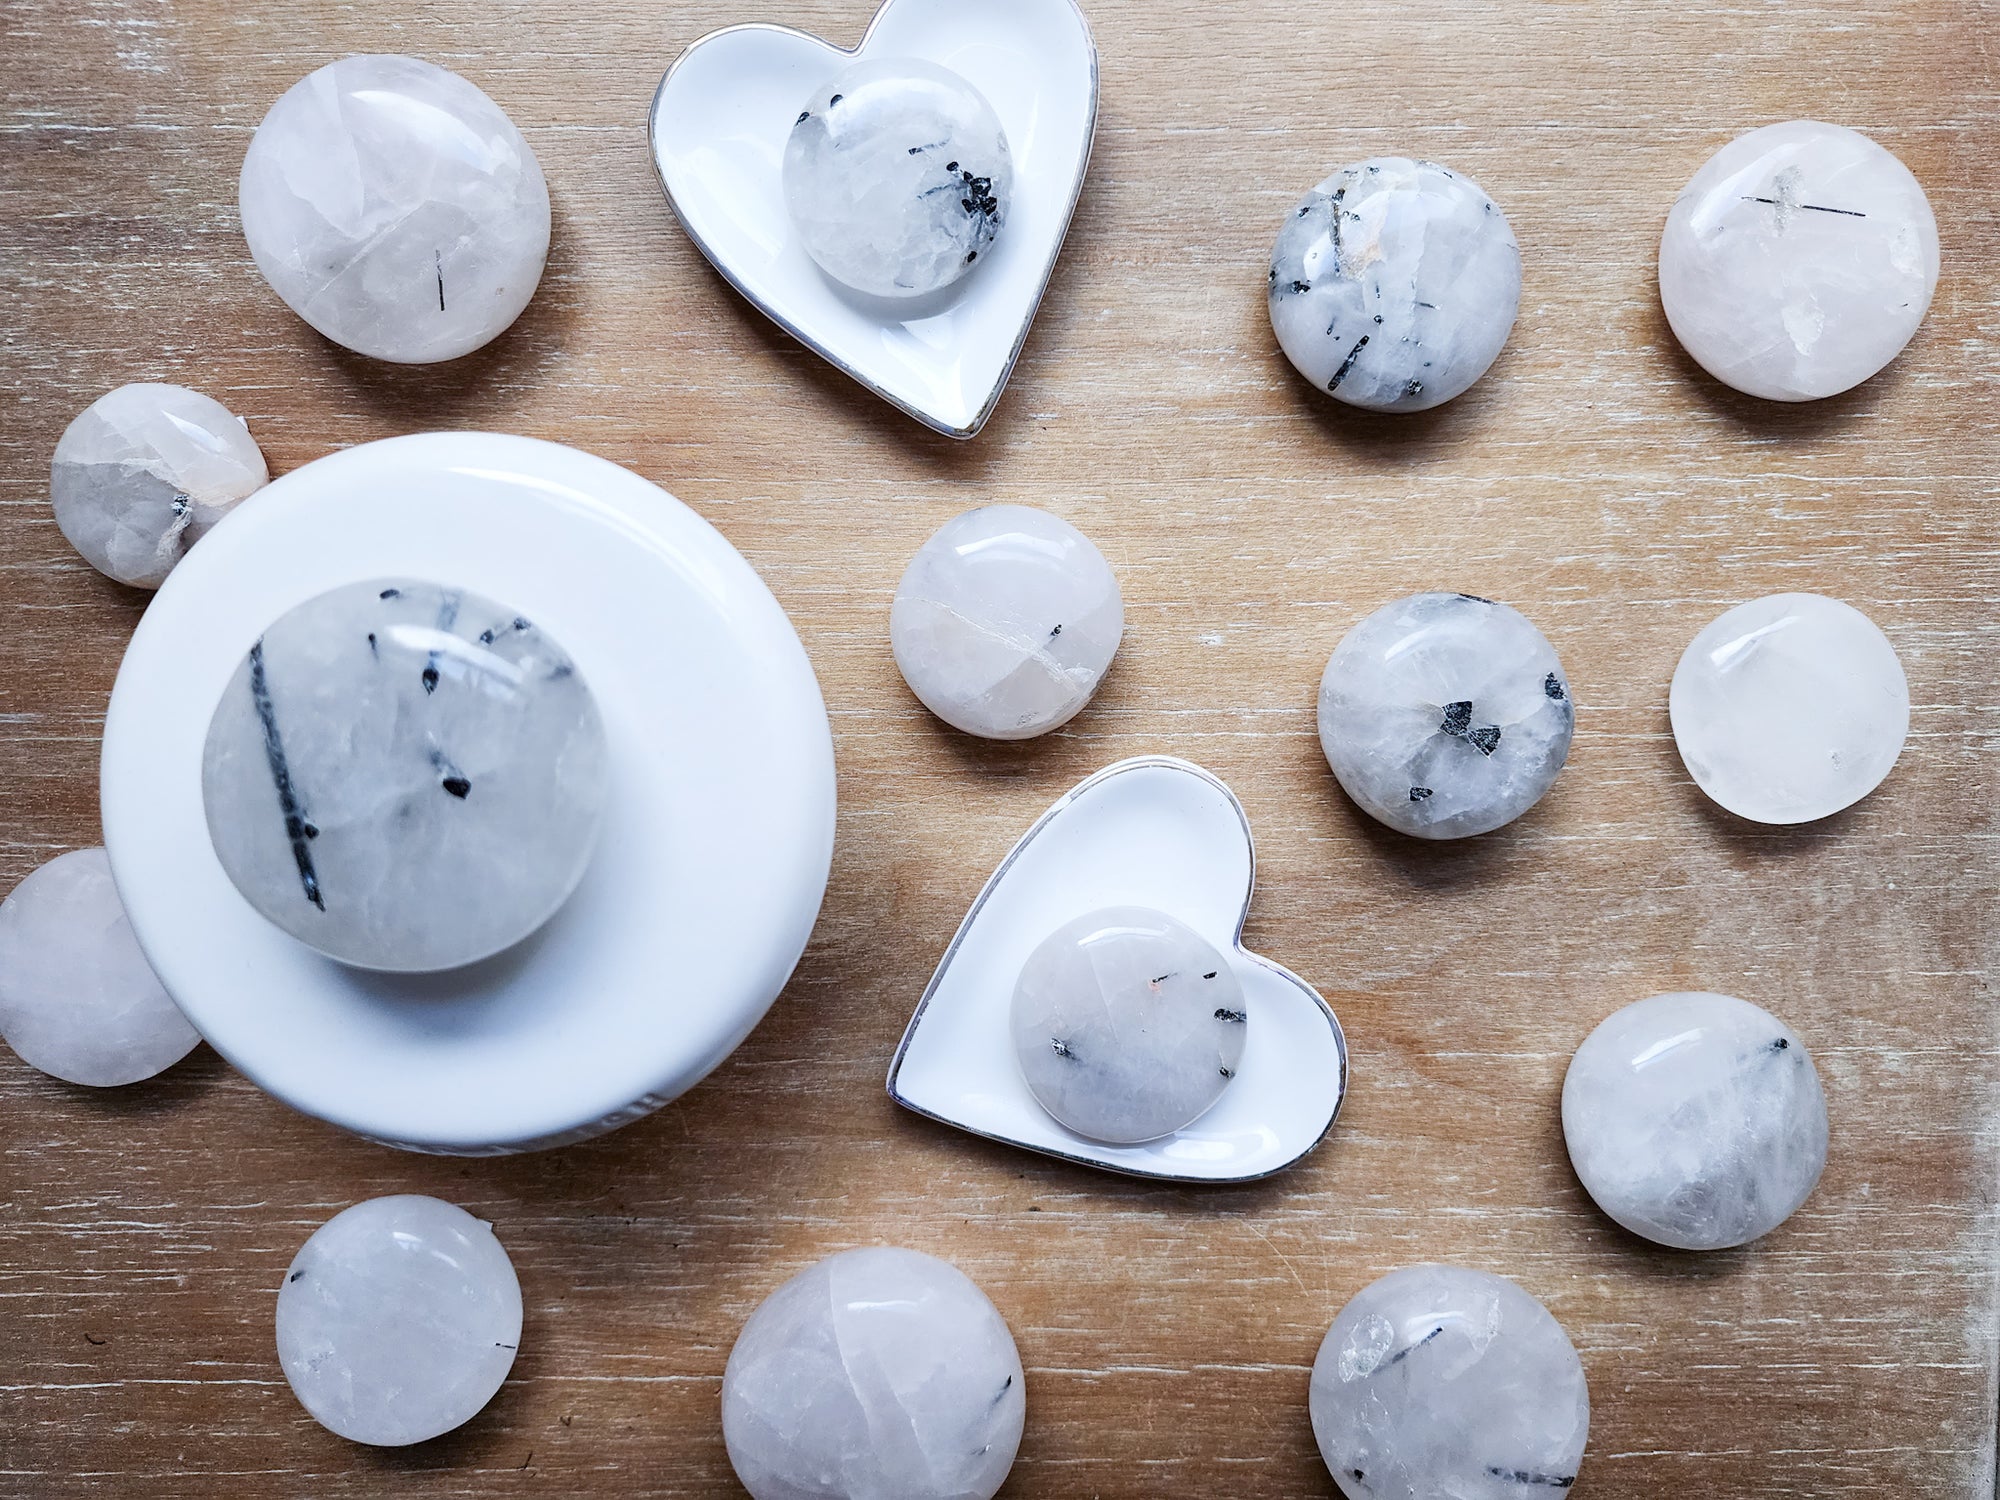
(1154, 832)
(719, 125)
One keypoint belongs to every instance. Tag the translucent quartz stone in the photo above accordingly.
(398, 1320)
(897, 175)
(1005, 622)
(1790, 708)
(1128, 1024)
(1696, 1121)
(1394, 284)
(77, 997)
(405, 776)
(1437, 1381)
(1443, 715)
(877, 1374)
(396, 209)
(143, 472)
(1799, 261)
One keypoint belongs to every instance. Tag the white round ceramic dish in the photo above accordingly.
(1153, 832)
(720, 122)
(717, 840)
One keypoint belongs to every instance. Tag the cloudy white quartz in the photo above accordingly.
(1444, 715)
(395, 208)
(1394, 284)
(1799, 261)
(898, 177)
(878, 1374)
(1005, 622)
(405, 776)
(1438, 1381)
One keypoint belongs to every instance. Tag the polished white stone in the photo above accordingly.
(1695, 1120)
(898, 177)
(1006, 621)
(398, 1320)
(1799, 261)
(77, 998)
(143, 472)
(1394, 284)
(1444, 715)
(405, 776)
(1438, 1382)
(1790, 708)
(396, 208)
(878, 1374)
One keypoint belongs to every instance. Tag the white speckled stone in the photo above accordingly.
(77, 997)
(405, 776)
(398, 1320)
(1437, 1381)
(898, 177)
(1006, 621)
(396, 209)
(1799, 261)
(1444, 715)
(877, 1374)
(143, 472)
(1790, 708)
(1696, 1121)
(1394, 284)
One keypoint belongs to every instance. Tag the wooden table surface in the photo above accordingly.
(1596, 479)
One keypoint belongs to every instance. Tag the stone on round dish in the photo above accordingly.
(875, 1373)
(405, 776)
(1790, 708)
(398, 1320)
(143, 472)
(1445, 715)
(1438, 1381)
(1799, 261)
(1394, 284)
(1005, 622)
(395, 208)
(77, 997)
(1695, 1120)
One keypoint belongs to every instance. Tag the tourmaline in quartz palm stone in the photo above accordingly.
(1394, 284)
(1006, 621)
(898, 177)
(1439, 1381)
(874, 1374)
(77, 997)
(1799, 261)
(398, 1320)
(405, 776)
(396, 208)
(1696, 1121)
(1790, 708)
(1128, 1024)
(1445, 715)
(143, 472)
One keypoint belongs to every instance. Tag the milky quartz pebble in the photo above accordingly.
(1394, 284)
(405, 776)
(1006, 621)
(143, 472)
(1790, 708)
(1799, 261)
(398, 1320)
(1445, 715)
(1696, 1121)
(77, 998)
(1438, 1381)
(877, 1374)
(396, 209)
(898, 177)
